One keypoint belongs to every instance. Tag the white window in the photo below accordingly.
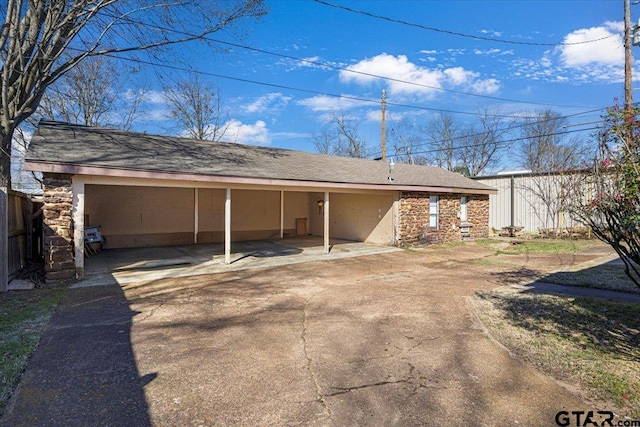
(433, 212)
(463, 208)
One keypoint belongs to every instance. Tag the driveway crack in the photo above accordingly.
(156, 307)
(343, 390)
(320, 398)
(411, 380)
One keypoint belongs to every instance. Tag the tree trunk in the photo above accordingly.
(5, 186)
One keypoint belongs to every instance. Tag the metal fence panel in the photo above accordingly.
(529, 209)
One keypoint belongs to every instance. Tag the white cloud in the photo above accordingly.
(271, 102)
(580, 49)
(330, 103)
(150, 96)
(493, 52)
(291, 135)
(580, 59)
(391, 117)
(492, 33)
(429, 52)
(425, 80)
(459, 75)
(486, 87)
(256, 134)
(310, 62)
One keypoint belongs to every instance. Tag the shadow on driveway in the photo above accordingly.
(83, 372)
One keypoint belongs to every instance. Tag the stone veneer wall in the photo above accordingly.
(58, 228)
(414, 218)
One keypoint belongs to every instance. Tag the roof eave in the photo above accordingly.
(79, 169)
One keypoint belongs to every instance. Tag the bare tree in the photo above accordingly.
(480, 149)
(554, 161)
(406, 139)
(341, 137)
(40, 41)
(197, 108)
(90, 94)
(444, 134)
(467, 149)
(325, 142)
(544, 146)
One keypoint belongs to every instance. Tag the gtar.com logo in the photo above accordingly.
(591, 418)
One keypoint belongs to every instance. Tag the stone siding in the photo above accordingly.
(58, 228)
(413, 221)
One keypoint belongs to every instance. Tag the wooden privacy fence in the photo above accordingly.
(22, 233)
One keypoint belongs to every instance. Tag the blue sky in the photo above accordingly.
(507, 57)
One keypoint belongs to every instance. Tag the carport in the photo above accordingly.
(146, 190)
(181, 212)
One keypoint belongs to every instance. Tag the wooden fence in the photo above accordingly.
(23, 236)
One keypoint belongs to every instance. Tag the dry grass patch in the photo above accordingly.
(23, 317)
(607, 276)
(538, 246)
(588, 343)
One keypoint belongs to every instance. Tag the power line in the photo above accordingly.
(393, 79)
(501, 144)
(455, 33)
(313, 92)
(507, 128)
(372, 101)
(349, 70)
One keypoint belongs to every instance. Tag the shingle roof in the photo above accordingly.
(67, 144)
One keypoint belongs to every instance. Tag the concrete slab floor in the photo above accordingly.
(121, 266)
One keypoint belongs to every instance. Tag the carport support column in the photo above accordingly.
(195, 215)
(281, 214)
(78, 225)
(326, 222)
(227, 228)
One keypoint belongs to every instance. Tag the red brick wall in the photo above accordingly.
(414, 218)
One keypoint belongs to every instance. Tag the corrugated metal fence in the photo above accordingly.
(21, 231)
(535, 205)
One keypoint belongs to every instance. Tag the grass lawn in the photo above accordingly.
(538, 246)
(588, 343)
(23, 317)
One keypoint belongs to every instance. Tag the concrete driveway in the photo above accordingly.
(377, 340)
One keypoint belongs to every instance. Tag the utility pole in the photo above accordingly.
(628, 94)
(383, 136)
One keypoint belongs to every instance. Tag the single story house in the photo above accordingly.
(148, 190)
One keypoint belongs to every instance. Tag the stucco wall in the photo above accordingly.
(359, 217)
(362, 217)
(414, 218)
(141, 216)
(296, 205)
(316, 217)
(132, 216)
